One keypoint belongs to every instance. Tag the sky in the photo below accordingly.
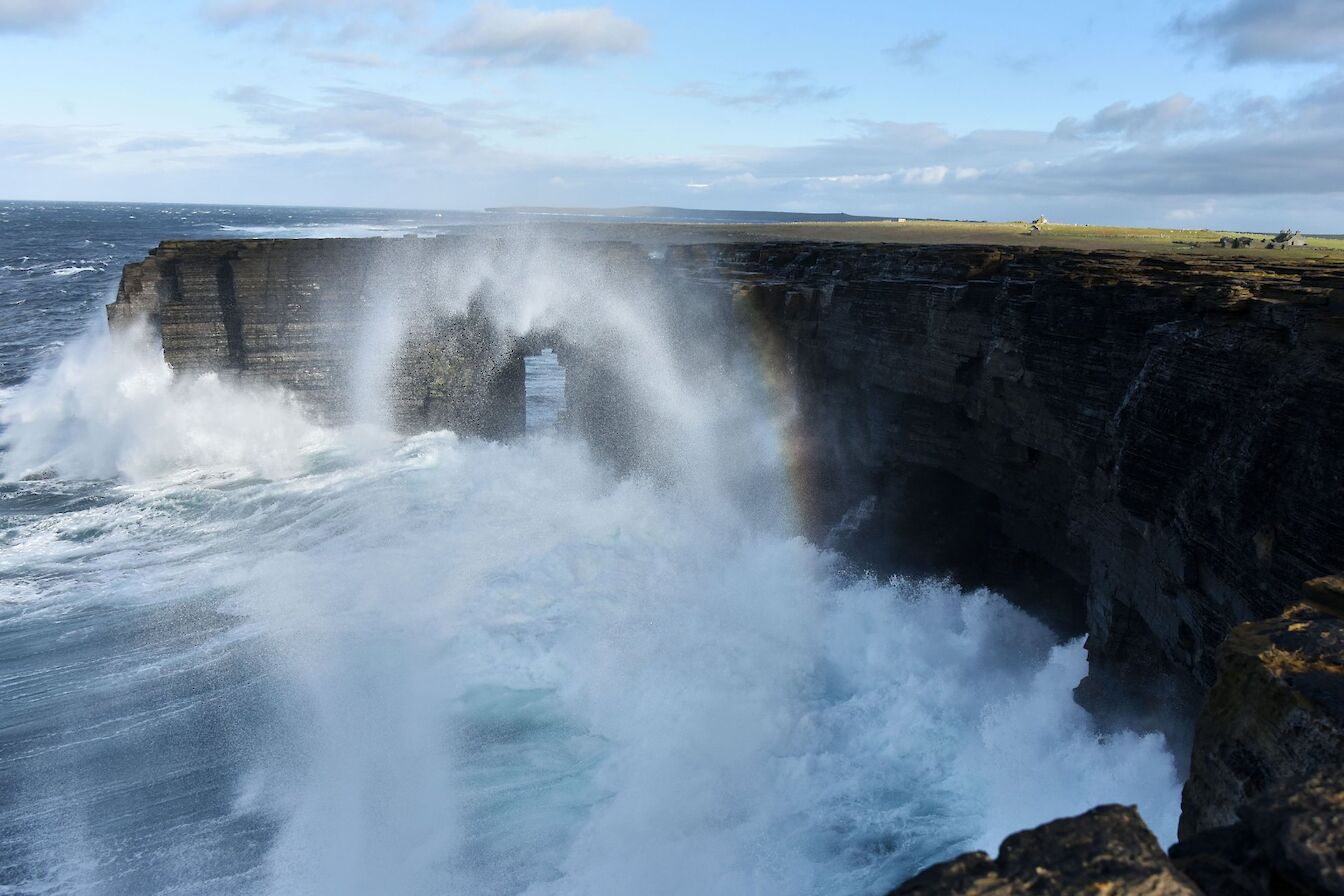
(1190, 113)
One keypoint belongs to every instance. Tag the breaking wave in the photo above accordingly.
(461, 666)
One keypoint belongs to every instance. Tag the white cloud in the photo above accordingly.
(1203, 211)
(41, 16)
(494, 34)
(1174, 114)
(349, 60)
(345, 114)
(854, 180)
(929, 175)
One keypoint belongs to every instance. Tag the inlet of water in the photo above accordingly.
(545, 386)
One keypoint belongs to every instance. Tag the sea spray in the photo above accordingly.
(429, 664)
(112, 407)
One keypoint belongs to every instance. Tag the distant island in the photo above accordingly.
(669, 213)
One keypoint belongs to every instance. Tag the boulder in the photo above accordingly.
(1107, 850)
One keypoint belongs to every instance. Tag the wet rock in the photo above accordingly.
(1107, 850)
(1151, 440)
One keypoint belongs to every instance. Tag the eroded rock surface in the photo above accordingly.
(1275, 715)
(1155, 438)
(1107, 850)
(1287, 842)
(1264, 808)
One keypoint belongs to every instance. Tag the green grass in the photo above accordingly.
(1017, 233)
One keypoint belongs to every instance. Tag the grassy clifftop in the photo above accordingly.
(1017, 233)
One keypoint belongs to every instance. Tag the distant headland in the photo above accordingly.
(700, 215)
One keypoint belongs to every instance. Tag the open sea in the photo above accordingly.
(242, 652)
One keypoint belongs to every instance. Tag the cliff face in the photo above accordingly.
(1154, 441)
(1159, 435)
(299, 314)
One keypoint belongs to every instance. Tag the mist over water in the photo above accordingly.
(250, 653)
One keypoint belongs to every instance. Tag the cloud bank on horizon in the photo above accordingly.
(1226, 113)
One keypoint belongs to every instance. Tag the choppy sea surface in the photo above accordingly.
(241, 652)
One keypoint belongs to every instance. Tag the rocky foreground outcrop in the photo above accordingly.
(1262, 813)
(1285, 842)
(1107, 850)
(1274, 715)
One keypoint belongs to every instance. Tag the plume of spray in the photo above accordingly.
(699, 412)
(507, 670)
(112, 408)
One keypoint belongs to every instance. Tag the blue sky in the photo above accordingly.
(1225, 113)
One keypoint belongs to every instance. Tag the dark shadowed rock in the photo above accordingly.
(1108, 850)
(1287, 842)
(1299, 829)
(1326, 592)
(1152, 440)
(1275, 715)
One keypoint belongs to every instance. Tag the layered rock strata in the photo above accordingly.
(1159, 439)
(1153, 440)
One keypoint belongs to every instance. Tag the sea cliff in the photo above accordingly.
(1150, 441)
(1146, 447)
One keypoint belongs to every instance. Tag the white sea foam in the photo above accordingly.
(505, 672)
(112, 407)
(500, 668)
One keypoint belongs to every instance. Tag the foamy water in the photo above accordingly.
(265, 656)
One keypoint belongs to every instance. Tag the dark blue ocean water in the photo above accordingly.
(243, 653)
(60, 261)
(79, 682)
